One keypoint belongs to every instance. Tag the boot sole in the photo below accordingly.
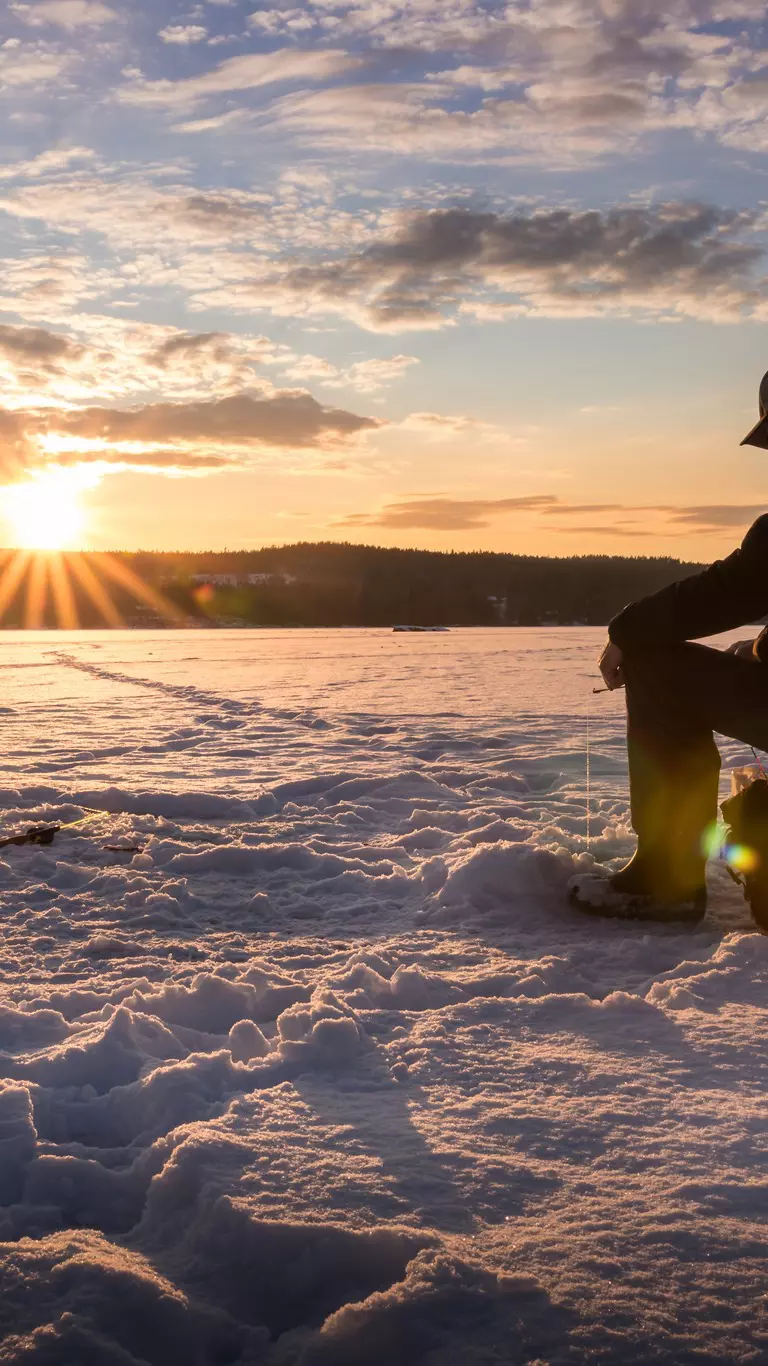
(642, 909)
(756, 894)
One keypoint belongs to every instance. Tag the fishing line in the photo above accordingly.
(759, 761)
(589, 774)
(595, 691)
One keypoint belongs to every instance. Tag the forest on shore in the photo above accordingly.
(337, 584)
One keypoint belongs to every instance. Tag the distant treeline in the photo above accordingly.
(331, 584)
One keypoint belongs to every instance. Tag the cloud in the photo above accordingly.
(216, 434)
(419, 269)
(183, 34)
(30, 66)
(102, 358)
(134, 212)
(69, 14)
(291, 419)
(53, 161)
(36, 346)
(49, 286)
(529, 81)
(718, 516)
(215, 124)
(15, 453)
(619, 529)
(428, 25)
(448, 514)
(246, 72)
(366, 376)
(447, 426)
(669, 260)
(98, 384)
(473, 514)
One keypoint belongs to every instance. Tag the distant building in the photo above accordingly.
(259, 580)
(242, 580)
(217, 580)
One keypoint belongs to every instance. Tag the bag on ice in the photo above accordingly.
(746, 847)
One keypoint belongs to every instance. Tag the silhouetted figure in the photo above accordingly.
(678, 694)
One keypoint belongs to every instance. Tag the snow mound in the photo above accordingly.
(500, 877)
(76, 1297)
(443, 1309)
(324, 1032)
(214, 1004)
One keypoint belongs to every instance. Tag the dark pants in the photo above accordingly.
(677, 696)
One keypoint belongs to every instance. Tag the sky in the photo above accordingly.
(459, 274)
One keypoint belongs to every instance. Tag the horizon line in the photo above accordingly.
(348, 545)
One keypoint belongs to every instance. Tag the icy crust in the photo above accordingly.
(306, 1061)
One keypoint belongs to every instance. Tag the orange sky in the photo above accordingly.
(447, 273)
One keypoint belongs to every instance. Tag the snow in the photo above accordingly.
(304, 1058)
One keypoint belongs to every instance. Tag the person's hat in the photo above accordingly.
(759, 434)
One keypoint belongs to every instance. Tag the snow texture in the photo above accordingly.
(304, 1058)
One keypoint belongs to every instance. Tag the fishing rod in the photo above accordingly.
(46, 834)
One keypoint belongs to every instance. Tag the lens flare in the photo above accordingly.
(712, 840)
(741, 858)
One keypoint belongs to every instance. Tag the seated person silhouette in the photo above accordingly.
(678, 695)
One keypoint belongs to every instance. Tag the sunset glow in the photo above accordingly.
(435, 311)
(47, 512)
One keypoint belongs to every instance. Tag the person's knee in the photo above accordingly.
(659, 668)
(644, 661)
(667, 670)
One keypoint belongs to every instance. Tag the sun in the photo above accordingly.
(46, 512)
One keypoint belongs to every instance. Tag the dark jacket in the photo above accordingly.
(733, 592)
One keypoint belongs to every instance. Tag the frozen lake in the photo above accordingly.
(307, 1062)
(232, 711)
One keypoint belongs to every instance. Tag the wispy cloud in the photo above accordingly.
(249, 71)
(55, 159)
(448, 514)
(473, 514)
(67, 14)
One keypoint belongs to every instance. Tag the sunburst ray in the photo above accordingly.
(11, 578)
(63, 596)
(36, 593)
(95, 591)
(128, 579)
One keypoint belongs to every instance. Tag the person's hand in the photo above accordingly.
(611, 665)
(742, 649)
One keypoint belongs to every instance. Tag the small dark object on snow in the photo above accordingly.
(37, 834)
(746, 816)
(124, 848)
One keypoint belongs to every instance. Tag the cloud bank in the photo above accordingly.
(671, 260)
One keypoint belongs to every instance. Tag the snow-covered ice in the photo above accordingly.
(305, 1059)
